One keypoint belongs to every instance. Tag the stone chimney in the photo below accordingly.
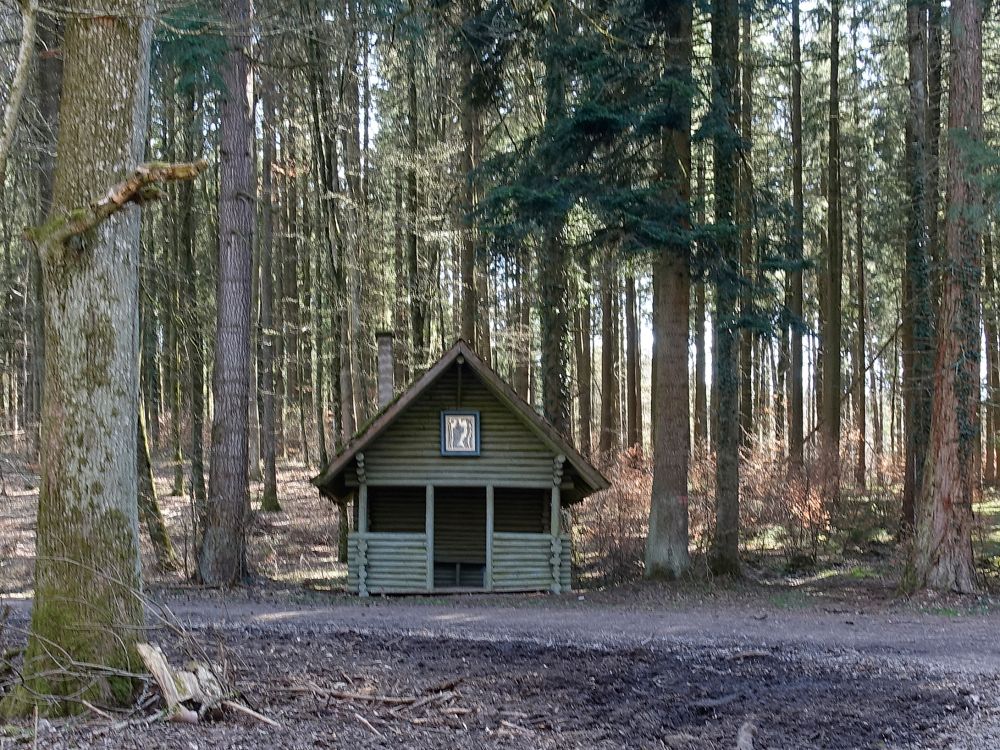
(385, 368)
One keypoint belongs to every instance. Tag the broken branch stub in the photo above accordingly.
(138, 188)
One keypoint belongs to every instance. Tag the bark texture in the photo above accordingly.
(796, 414)
(724, 556)
(943, 547)
(87, 574)
(667, 542)
(222, 557)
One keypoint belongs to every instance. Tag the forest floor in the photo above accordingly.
(832, 660)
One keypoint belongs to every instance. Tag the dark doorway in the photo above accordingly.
(459, 537)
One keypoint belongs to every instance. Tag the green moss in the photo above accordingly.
(39, 235)
(86, 609)
(269, 502)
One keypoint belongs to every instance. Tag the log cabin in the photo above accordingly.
(457, 485)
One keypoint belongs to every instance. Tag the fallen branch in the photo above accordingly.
(94, 709)
(392, 700)
(516, 727)
(247, 711)
(368, 724)
(196, 685)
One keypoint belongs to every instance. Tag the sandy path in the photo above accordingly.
(965, 644)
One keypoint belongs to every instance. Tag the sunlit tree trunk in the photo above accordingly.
(86, 610)
(633, 404)
(942, 556)
(832, 332)
(796, 416)
(667, 542)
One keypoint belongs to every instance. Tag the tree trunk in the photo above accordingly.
(858, 385)
(796, 415)
(667, 542)
(700, 312)
(746, 234)
(633, 403)
(471, 139)
(149, 506)
(269, 498)
(87, 571)
(222, 557)
(552, 282)
(918, 322)
(194, 343)
(48, 82)
(835, 268)
(610, 417)
(414, 284)
(942, 555)
(584, 357)
(724, 556)
(992, 373)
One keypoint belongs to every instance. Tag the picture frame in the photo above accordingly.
(460, 432)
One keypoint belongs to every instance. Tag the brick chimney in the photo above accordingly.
(386, 368)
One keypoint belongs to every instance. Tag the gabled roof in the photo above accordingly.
(541, 427)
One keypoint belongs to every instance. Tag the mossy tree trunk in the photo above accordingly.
(86, 612)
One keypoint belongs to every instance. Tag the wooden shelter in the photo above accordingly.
(458, 485)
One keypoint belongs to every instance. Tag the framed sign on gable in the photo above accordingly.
(459, 433)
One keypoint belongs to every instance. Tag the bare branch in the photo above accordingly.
(139, 188)
(29, 15)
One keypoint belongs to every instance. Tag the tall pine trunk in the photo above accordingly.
(942, 555)
(194, 343)
(667, 542)
(918, 322)
(796, 415)
(269, 498)
(700, 312)
(724, 556)
(633, 404)
(832, 333)
(746, 234)
(222, 557)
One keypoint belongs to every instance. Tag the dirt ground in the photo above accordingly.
(804, 664)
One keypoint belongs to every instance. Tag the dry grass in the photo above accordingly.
(788, 519)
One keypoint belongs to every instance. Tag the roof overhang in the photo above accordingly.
(330, 481)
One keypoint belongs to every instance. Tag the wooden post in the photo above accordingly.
(362, 540)
(429, 531)
(363, 509)
(554, 521)
(488, 577)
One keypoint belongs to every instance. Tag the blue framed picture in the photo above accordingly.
(459, 433)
